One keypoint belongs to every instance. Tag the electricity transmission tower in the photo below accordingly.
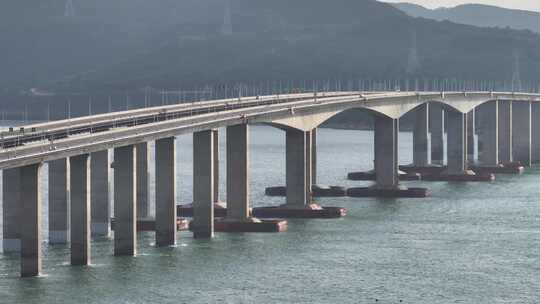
(227, 24)
(69, 11)
(413, 63)
(516, 77)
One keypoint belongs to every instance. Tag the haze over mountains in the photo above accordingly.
(478, 15)
(111, 45)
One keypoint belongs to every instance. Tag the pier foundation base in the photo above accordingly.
(370, 176)
(388, 193)
(309, 211)
(317, 191)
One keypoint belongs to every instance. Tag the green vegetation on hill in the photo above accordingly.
(121, 44)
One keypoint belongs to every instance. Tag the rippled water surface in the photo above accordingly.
(468, 243)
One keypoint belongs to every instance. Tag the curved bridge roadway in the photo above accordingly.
(82, 181)
(65, 138)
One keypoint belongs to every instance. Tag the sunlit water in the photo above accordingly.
(468, 243)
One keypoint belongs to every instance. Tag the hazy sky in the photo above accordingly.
(517, 4)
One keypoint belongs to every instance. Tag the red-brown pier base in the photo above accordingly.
(370, 176)
(220, 210)
(388, 193)
(150, 224)
(422, 170)
(509, 168)
(251, 225)
(317, 191)
(311, 211)
(468, 176)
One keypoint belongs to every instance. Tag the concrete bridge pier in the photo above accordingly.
(165, 191)
(535, 116)
(505, 131)
(457, 143)
(386, 153)
(203, 184)
(521, 132)
(386, 164)
(471, 132)
(100, 164)
(30, 220)
(215, 146)
(314, 134)
(11, 189)
(488, 134)
(238, 176)
(239, 218)
(59, 210)
(421, 136)
(80, 181)
(298, 183)
(458, 166)
(489, 137)
(436, 127)
(125, 201)
(143, 204)
(298, 169)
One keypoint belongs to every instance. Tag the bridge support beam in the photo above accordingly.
(314, 134)
(59, 201)
(100, 204)
(125, 201)
(420, 136)
(386, 152)
(457, 143)
(11, 189)
(535, 133)
(30, 220)
(436, 126)
(203, 184)
(471, 132)
(165, 192)
(238, 177)
(80, 182)
(488, 134)
(309, 164)
(298, 169)
(215, 137)
(505, 131)
(521, 135)
(143, 204)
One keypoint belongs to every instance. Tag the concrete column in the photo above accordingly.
(471, 131)
(80, 173)
(314, 156)
(59, 207)
(436, 126)
(238, 177)
(101, 209)
(30, 220)
(216, 164)
(125, 201)
(457, 142)
(488, 133)
(309, 163)
(165, 191)
(420, 136)
(297, 188)
(535, 136)
(203, 184)
(143, 205)
(386, 152)
(505, 131)
(521, 132)
(11, 189)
